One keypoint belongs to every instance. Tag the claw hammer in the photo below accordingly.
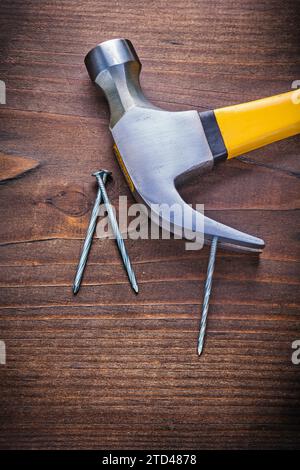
(160, 150)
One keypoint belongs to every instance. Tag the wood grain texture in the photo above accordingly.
(108, 369)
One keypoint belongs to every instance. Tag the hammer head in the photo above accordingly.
(158, 150)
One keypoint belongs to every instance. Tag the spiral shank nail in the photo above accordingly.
(208, 285)
(88, 241)
(118, 236)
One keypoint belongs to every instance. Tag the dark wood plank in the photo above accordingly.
(108, 369)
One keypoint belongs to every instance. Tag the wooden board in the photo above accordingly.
(108, 369)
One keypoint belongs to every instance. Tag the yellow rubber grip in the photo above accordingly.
(247, 126)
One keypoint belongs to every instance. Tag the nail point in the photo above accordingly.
(75, 289)
(136, 288)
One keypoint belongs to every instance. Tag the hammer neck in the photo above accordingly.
(122, 89)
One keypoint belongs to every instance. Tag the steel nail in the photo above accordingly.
(207, 291)
(89, 235)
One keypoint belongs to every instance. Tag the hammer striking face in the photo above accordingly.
(159, 150)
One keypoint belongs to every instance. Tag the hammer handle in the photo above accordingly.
(248, 126)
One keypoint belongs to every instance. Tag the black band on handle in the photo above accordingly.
(213, 135)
